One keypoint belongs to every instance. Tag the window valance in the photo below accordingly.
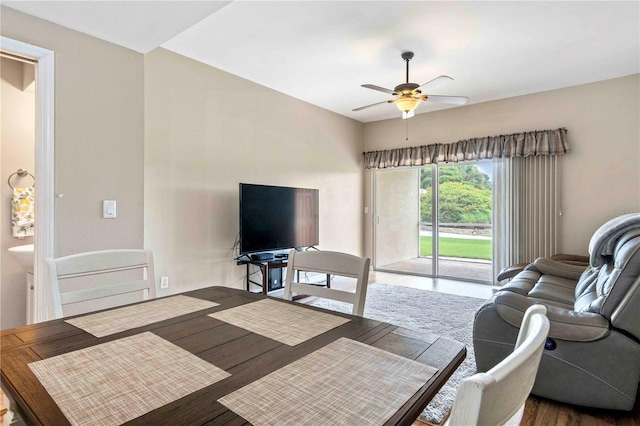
(539, 142)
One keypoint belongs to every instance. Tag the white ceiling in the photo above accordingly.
(322, 51)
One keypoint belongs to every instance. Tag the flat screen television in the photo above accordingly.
(275, 218)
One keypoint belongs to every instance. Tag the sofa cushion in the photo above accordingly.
(556, 289)
(546, 289)
(549, 266)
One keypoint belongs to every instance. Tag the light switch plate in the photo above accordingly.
(109, 209)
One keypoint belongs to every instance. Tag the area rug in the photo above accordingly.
(443, 314)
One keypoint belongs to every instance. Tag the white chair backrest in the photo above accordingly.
(332, 263)
(97, 280)
(497, 397)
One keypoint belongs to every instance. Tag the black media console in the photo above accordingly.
(271, 268)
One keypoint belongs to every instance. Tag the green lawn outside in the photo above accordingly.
(458, 247)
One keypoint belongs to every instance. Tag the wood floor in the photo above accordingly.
(538, 411)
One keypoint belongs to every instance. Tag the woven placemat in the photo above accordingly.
(344, 383)
(128, 317)
(284, 322)
(114, 382)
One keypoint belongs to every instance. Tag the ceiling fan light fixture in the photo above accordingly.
(407, 104)
(408, 114)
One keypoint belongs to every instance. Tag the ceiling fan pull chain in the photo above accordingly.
(407, 129)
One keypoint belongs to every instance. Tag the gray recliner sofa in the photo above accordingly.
(592, 356)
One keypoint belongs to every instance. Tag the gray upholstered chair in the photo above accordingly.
(592, 356)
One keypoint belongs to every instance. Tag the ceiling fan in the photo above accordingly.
(409, 95)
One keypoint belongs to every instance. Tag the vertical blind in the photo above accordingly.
(526, 209)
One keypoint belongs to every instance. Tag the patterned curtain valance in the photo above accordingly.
(539, 142)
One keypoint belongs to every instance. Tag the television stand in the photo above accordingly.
(265, 265)
(273, 264)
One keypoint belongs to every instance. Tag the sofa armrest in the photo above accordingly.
(548, 266)
(510, 271)
(565, 324)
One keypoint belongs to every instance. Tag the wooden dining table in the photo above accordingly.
(223, 349)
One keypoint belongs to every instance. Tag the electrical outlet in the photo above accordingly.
(164, 282)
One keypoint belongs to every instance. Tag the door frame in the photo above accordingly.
(44, 166)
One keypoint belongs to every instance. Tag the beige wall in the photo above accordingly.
(601, 176)
(205, 132)
(17, 152)
(99, 134)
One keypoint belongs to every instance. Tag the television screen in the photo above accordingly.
(277, 217)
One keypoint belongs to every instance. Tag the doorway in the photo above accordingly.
(17, 154)
(44, 165)
(435, 221)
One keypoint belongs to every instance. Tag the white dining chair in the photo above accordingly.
(498, 396)
(92, 281)
(329, 263)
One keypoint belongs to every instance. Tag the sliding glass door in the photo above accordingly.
(434, 221)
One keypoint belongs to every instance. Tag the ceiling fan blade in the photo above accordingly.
(436, 82)
(378, 88)
(368, 106)
(440, 99)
